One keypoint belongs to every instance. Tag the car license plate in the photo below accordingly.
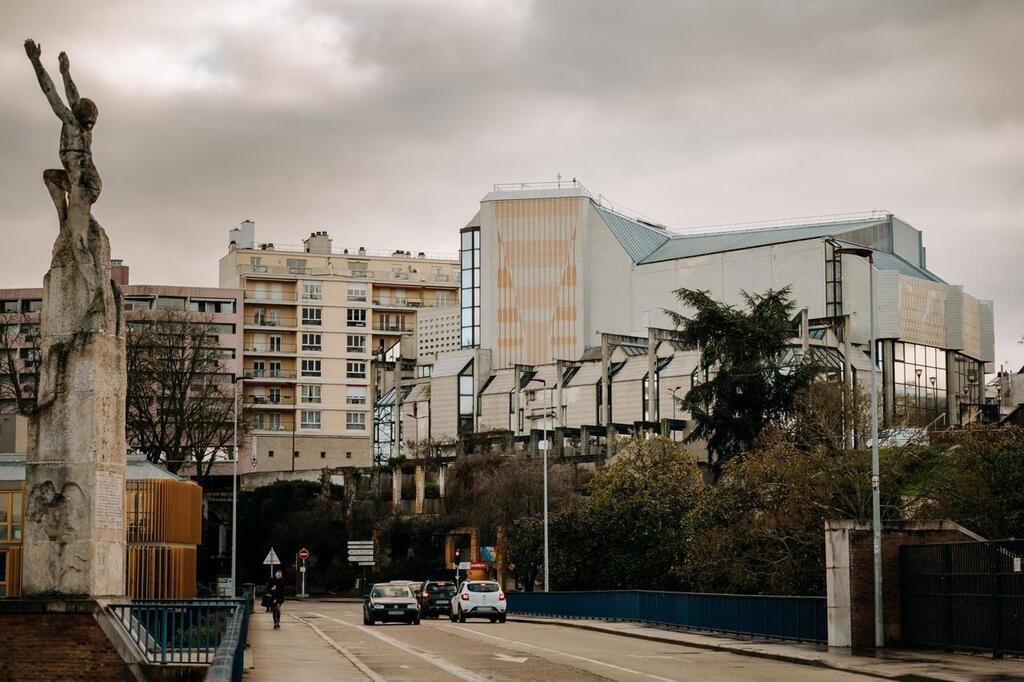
(395, 612)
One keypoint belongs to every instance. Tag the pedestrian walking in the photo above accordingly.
(275, 591)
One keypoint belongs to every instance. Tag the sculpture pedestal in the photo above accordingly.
(74, 540)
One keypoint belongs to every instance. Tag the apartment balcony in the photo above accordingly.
(266, 402)
(272, 428)
(264, 321)
(381, 328)
(266, 348)
(259, 375)
(283, 297)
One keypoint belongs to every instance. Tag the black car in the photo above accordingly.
(388, 602)
(435, 598)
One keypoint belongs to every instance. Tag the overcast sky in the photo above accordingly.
(385, 122)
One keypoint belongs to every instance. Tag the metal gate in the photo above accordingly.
(964, 596)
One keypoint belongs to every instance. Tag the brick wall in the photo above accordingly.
(56, 646)
(862, 572)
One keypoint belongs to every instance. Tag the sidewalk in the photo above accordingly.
(293, 652)
(892, 665)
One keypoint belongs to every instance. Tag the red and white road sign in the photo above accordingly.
(303, 553)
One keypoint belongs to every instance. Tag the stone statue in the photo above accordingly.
(74, 517)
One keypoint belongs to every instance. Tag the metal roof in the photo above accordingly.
(501, 382)
(419, 393)
(638, 239)
(689, 245)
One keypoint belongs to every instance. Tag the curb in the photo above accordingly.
(811, 662)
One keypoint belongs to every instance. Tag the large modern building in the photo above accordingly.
(563, 303)
(315, 318)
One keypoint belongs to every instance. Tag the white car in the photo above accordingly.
(479, 599)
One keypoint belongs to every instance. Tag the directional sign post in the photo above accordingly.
(361, 552)
(271, 560)
(303, 554)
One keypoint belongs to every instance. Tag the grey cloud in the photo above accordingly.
(384, 122)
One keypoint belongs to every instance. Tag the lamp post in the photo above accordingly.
(674, 401)
(234, 485)
(544, 443)
(876, 501)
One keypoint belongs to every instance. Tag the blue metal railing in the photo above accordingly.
(183, 631)
(229, 661)
(801, 619)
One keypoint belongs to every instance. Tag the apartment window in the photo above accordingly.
(356, 343)
(275, 369)
(355, 395)
(311, 393)
(469, 291)
(136, 304)
(34, 305)
(356, 291)
(297, 266)
(312, 291)
(323, 455)
(423, 371)
(355, 421)
(275, 344)
(312, 316)
(257, 421)
(396, 270)
(10, 516)
(274, 422)
(310, 419)
(310, 368)
(212, 306)
(8, 306)
(258, 368)
(311, 342)
(255, 261)
(400, 297)
(270, 453)
(356, 317)
(218, 328)
(274, 396)
(442, 299)
(355, 369)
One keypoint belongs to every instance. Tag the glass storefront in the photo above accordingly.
(919, 382)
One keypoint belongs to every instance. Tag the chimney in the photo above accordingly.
(243, 236)
(119, 272)
(317, 242)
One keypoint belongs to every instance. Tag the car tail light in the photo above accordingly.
(501, 596)
(426, 594)
(465, 597)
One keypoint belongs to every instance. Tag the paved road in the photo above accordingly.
(327, 641)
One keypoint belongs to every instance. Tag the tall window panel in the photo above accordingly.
(469, 293)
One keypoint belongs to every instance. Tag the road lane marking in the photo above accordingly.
(563, 653)
(437, 661)
(511, 659)
(344, 652)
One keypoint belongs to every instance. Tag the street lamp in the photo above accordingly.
(234, 486)
(544, 442)
(876, 501)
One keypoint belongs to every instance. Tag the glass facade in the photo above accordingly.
(833, 281)
(919, 383)
(466, 399)
(469, 259)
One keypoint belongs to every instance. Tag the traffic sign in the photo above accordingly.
(360, 556)
(360, 543)
(271, 558)
(465, 565)
(303, 553)
(364, 563)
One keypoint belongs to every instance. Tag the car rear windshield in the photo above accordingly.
(440, 589)
(391, 591)
(482, 587)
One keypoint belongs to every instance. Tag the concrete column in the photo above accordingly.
(652, 363)
(421, 488)
(559, 373)
(888, 385)
(396, 431)
(805, 331)
(849, 425)
(952, 389)
(606, 393)
(516, 379)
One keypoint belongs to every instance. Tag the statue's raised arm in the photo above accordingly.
(63, 112)
(70, 89)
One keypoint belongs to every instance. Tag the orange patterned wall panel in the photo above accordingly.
(536, 279)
